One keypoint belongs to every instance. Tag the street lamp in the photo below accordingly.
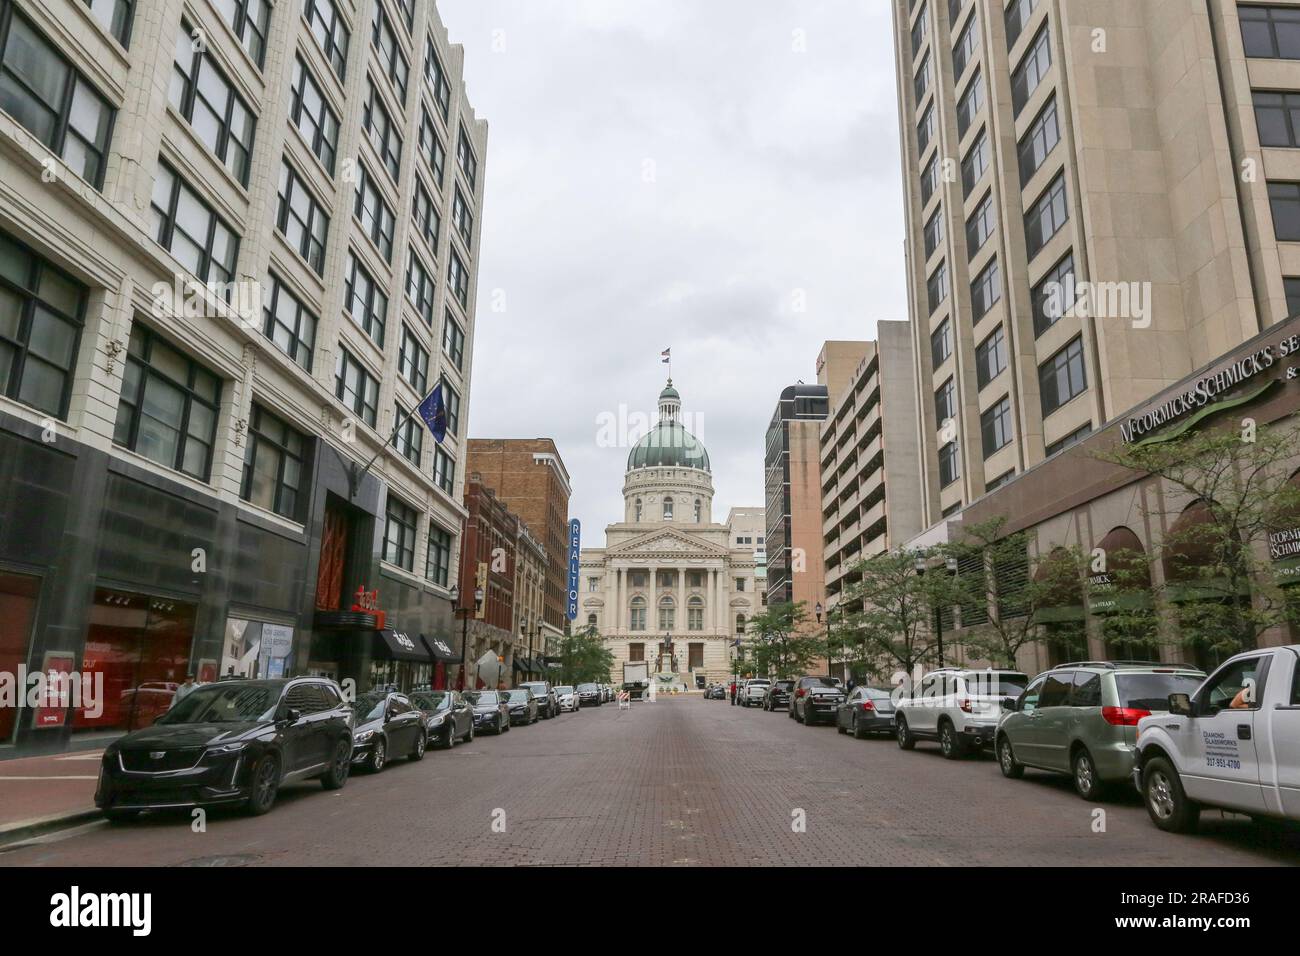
(830, 661)
(950, 564)
(463, 613)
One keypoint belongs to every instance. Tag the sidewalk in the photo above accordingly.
(44, 793)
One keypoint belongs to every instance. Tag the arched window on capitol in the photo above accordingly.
(668, 509)
(695, 614)
(667, 613)
(636, 620)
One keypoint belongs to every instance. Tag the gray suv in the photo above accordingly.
(1081, 719)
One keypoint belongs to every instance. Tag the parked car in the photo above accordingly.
(589, 695)
(447, 716)
(522, 705)
(958, 706)
(1232, 742)
(716, 692)
(548, 705)
(567, 698)
(816, 700)
(491, 712)
(778, 695)
(754, 691)
(867, 710)
(230, 743)
(386, 725)
(608, 690)
(1081, 719)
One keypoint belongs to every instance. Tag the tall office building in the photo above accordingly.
(792, 488)
(871, 501)
(1101, 198)
(238, 241)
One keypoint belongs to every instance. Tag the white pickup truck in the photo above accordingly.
(1233, 744)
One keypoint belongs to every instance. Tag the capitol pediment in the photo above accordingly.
(671, 542)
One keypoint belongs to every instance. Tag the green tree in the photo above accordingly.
(891, 627)
(584, 657)
(780, 644)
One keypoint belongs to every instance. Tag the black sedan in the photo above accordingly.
(816, 700)
(868, 710)
(490, 710)
(235, 742)
(523, 706)
(447, 718)
(778, 695)
(386, 725)
(589, 695)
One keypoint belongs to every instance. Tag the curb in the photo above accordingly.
(39, 826)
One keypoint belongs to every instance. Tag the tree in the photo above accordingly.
(892, 624)
(779, 642)
(1232, 494)
(584, 658)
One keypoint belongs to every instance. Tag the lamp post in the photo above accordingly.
(950, 565)
(463, 613)
(830, 660)
(535, 632)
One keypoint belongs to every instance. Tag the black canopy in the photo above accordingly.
(439, 650)
(399, 646)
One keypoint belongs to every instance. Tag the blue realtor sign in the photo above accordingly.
(575, 545)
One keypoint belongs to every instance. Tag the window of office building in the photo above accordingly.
(400, 522)
(966, 47)
(1270, 32)
(1038, 142)
(945, 401)
(920, 30)
(985, 290)
(466, 159)
(274, 464)
(169, 405)
(330, 31)
(444, 470)
(408, 435)
(1062, 377)
(990, 357)
(201, 92)
(1030, 71)
(949, 465)
(453, 340)
(1073, 438)
(413, 361)
(42, 311)
(995, 427)
(974, 163)
(458, 278)
(462, 217)
(381, 130)
(437, 78)
(187, 227)
(51, 99)
(1292, 286)
(1284, 199)
(1046, 216)
(1051, 294)
(1000, 480)
(419, 285)
(1016, 16)
(941, 343)
(980, 225)
(936, 287)
(933, 233)
(427, 221)
(312, 114)
(115, 15)
(373, 213)
(437, 562)
(925, 129)
(365, 300)
(972, 100)
(301, 218)
(384, 38)
(921, 82)
(929, 179)
(431, 148)
(287, 322)
(451, 398)
(356, 388)
(250, 20)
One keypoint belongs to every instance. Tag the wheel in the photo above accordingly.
(265, 783)
(838, 728)
(1086, 781)
(451, 735)
(808, 719)
(337, 775)
(1011, 768)
(421, 744)
(469, 734)
(500, 729)
(378, 756)
(508, 725)
(1167, 803)
(949, 742)
(858, 732)
(905, 739)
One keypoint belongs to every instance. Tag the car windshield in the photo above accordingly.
(519, 696)
(760, 680)
(225, 704)
(434, 701)
(783, 684)
(481, 698)
(564, 690)
(821, 683)
(586, 688)
(1151, 691)
(369, 706)
(877, 693)
(983, 684)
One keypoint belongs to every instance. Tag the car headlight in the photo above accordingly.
(231, 748)
(437, 721)
(362, 737)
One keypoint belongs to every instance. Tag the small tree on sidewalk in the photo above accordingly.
(892, 626)
(584, 658)
(779, 642)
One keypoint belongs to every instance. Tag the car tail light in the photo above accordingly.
(1124, 716)
(966, 706)
(868, 705)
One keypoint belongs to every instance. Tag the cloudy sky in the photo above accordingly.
(716, 176)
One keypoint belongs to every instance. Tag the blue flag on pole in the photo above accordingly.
(434, 413)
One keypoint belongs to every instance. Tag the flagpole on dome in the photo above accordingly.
(432, 411)
(667, 357)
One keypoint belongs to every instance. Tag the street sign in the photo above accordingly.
(575, 548)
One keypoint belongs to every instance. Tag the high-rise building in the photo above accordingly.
(1100, 197)
(792, 488)
(871, 501)
(238, 242)
(529, 477)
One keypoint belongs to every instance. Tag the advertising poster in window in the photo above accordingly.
(256, 649)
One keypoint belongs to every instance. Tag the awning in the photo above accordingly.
(523, 664)
(438, 649)
(400, 646)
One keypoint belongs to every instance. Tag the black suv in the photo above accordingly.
(232, 742)
(778, 695)
(816, 700)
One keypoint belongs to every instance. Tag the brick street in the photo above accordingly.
(681, 781)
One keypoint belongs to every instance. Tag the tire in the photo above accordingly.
(341, 767)
(265, 784)
(858, 732)
(421, 745)
(469, 734)
(1011, 768)
(451, 736)
(1087, 783)
(378, 758)
(904, 736)
(949, 741)
(838, 728)
(500, 729)
(1165, 799)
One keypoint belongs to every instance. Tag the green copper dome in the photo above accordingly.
(669, 392)
(668, 445)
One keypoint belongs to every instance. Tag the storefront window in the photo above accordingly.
(17, 608)
(255, 649)
(141, 646)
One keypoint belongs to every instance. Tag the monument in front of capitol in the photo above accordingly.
(672, 587)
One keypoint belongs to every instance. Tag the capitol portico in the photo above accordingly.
(671, 586)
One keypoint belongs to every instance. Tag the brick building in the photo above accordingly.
(489, 551)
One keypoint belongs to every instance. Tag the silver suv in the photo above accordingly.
(1081, 719)
(957, 706)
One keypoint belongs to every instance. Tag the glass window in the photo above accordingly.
(427, 221)
(250, 20)
(1046, 216)
(1017, 15)
(373, 213)
(330, 32)
(444, 470)
(453, 340)
(929, 179)
(1087, 690)
(384, 38)
(18, 594)
(274, 464)
(52, 100)
(1056, 689)
(1053, 297)
(1272, 32)
(356, 388)
(419, 285)
(115, 15)
(980, 225)
(462, 218)
(466, 159)
(413, 361)
(971, 102)
(1292, 285)
(933, 234)
(301, 218)
(169, 405)
(667, 614)
(400, 521)
(1062, 377)
(42, 311)
(436, 77)
(945, 401)
(975, 162)
(995, 427)
(936, 287)
(1284, 199)
(458, 278)
(1038, 142)
(310, 112)
(990, 357)
(920, 29)
(408, 435)
(431, 147)
(202, 94)
(380, 129)
(949, 465)
(187, 227)
(437, 562)
(966, 48)
(1073, 438)
(1030, 71)
(985, 290)
(921, 82)
(364, 300)
(636, 617)
(451, 398)
(925, 129)
(287, 322)
(941, 343)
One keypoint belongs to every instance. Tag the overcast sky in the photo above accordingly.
(675, 173)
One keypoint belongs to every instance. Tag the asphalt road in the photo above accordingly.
(681, 781)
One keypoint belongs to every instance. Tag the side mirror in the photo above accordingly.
(292, 714)
(1009, 704)
(1181, 705)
